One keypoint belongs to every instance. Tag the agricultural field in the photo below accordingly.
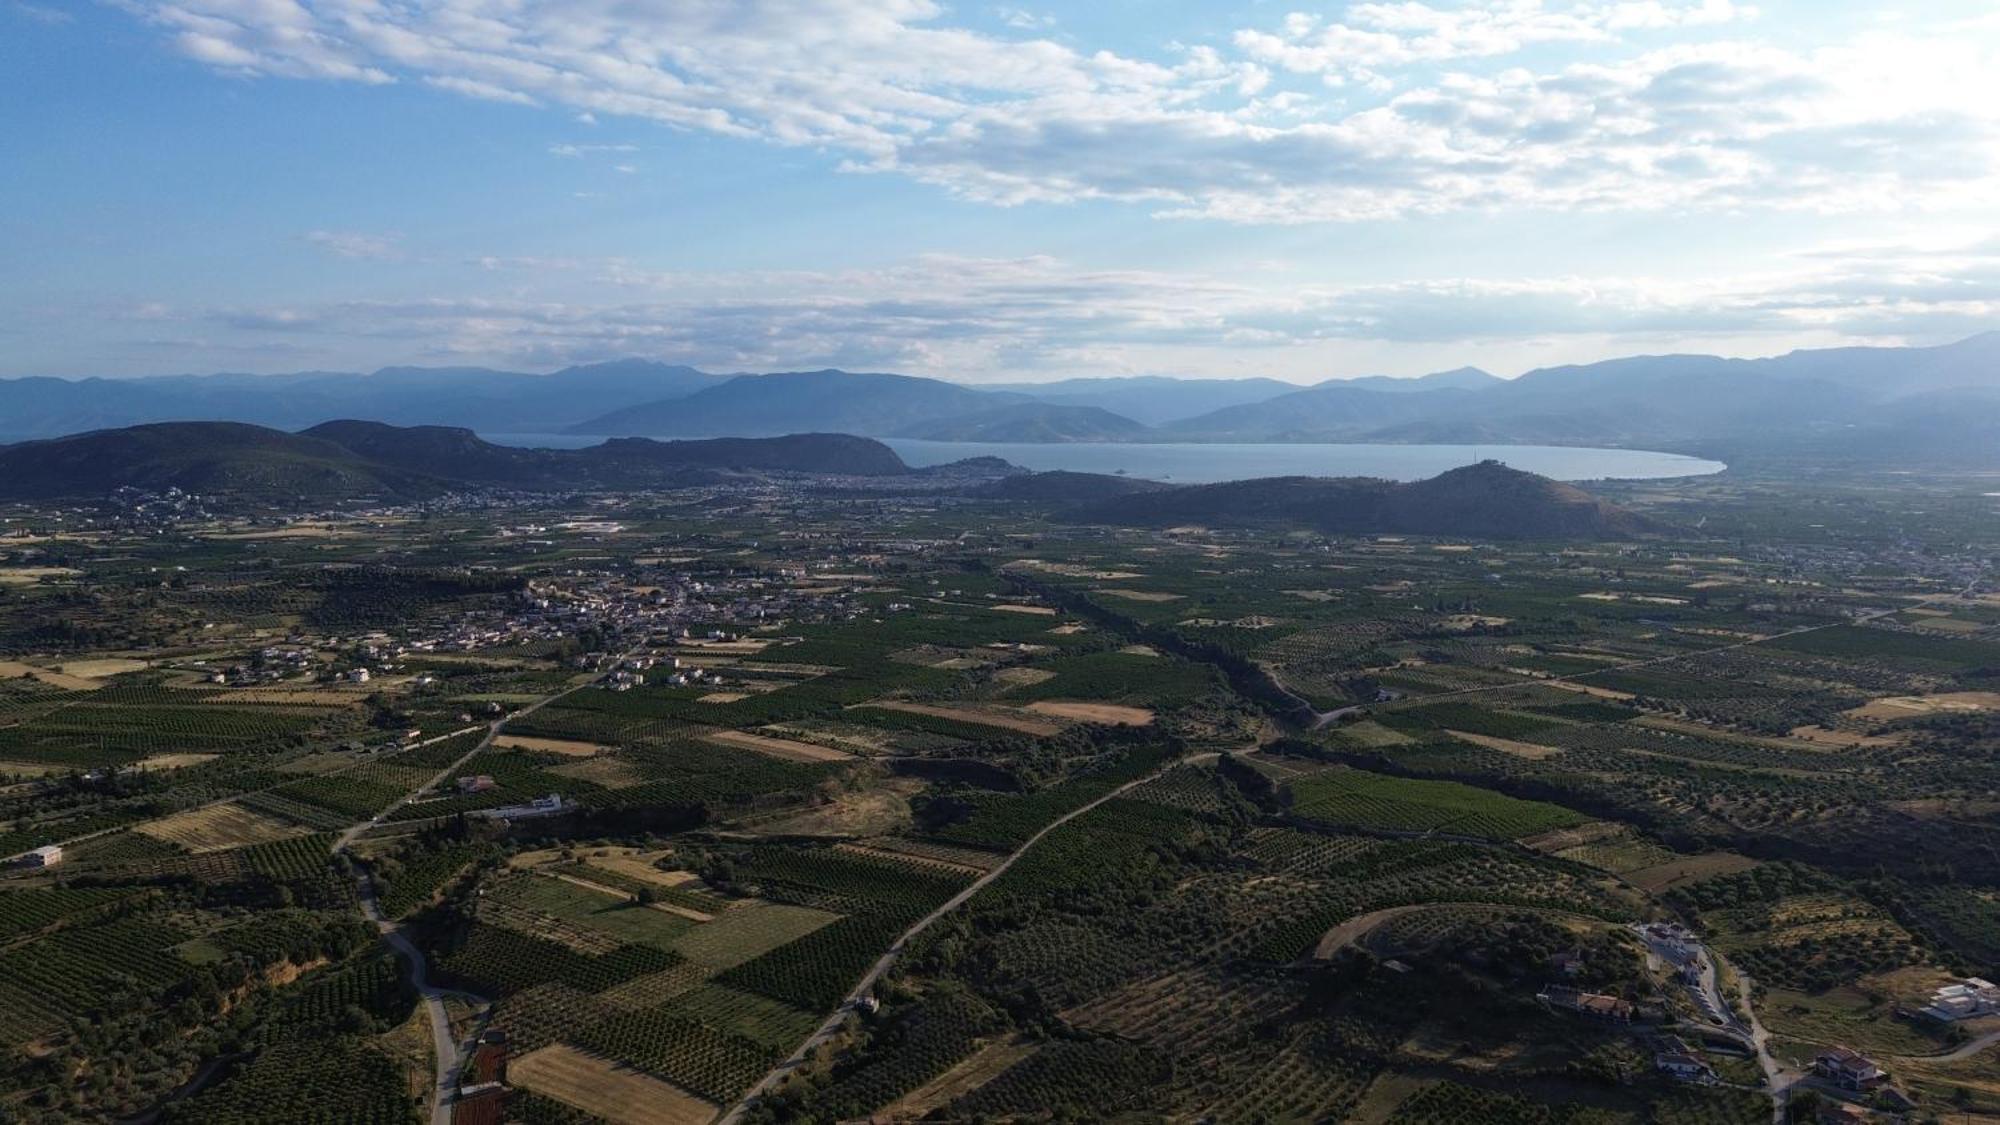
(1250, 827)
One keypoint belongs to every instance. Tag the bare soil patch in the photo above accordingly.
(563, 746)
(1587, 689)
(1037, 610)
(14, 669)
(987, 717)
(1109, 714)
(99, 669)
(1917, 706)
(777, 747)
(1139, 595)
(1532, 751)
(174, 761)
(612, 1091)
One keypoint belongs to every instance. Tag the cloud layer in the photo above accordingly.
(1038, 316)
(1389, 110)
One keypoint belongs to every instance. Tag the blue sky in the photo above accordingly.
(988, 192)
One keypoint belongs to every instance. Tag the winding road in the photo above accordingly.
(446, 1051)
(828, 1029)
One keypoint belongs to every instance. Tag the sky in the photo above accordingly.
(989, 192)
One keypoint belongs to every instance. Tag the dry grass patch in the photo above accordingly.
(174, 761)
(1844, 739)
(1022, 677)
(981, 1067)
(1005, 719)
(1662, 877)
(218, 827)
(1138, 595)
(1590, 690)
(1532, 751)
(724, 697)
(1036, 610)
(1107, 714)
(99, 669)
(609, 770)
(777, 747)
(1917, 706)
(14, 669)
(612, 1091)
(746, 932)
(566, 747)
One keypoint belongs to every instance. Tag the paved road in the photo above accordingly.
(1963, 1053)
(448, 1053)
(833, 1022)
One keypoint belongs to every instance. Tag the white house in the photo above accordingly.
(46, 856)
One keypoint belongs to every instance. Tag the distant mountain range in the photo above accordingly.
(338, 462)
(1881, 405)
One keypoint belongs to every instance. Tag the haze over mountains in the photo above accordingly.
(1938, 404)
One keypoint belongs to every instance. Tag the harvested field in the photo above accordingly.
(563, 746)
(1918, 706)
(28, 575)
(612, 1091)
(218, 827)
(1005, 719)
(777, 747)
(98, 669)
(983, 1066)
(1109, 714)
(174, 761)
(14, 669)
(1825, 736)
(609, 771)
(1037, 610)
(1687, 869)
(747, 932)
(1022, 677)
(941, 864)
(1529, 750)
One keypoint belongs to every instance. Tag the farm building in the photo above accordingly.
(47, 856)
(540, 806)
(1684, 1066)
(1849, 1069)
(1591, 1004)
(479, 784)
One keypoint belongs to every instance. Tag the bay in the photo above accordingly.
(1206, 462)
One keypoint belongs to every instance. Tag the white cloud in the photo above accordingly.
(356, 245)
(1277, 125)
(998, 318)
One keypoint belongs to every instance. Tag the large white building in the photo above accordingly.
(1968, 999)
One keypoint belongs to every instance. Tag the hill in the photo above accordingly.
(346, 460)
(1031, 421)
(1486, 501)
(201, 457)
